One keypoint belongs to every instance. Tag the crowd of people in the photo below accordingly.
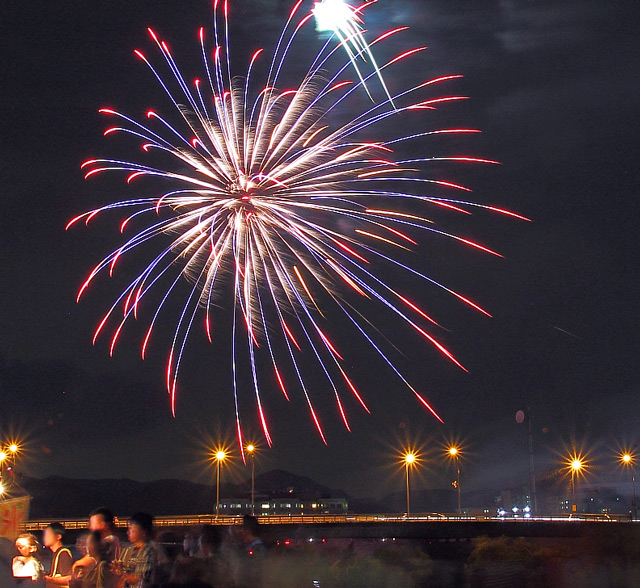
(206, 557)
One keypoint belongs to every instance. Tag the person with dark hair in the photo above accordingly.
(99, 576)
(251, 569)
(209, 541)
(251, 536)
(60, 571)
(218, 570)
(139, 562)
(103, 521)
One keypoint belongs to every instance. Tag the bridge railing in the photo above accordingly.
(210, 519)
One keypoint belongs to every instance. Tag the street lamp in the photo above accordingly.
(628, 461)
(251, 450)
(454, 454)
(576, 467)
(3, 457)
(409, 461)
(220, 456)
(8, 456)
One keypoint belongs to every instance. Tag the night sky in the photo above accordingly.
(554, 88)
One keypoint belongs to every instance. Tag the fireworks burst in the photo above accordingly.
(346, 23)
(271, 199)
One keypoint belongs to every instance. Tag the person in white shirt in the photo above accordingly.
(27, 568)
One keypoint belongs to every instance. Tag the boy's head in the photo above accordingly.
(53, 534)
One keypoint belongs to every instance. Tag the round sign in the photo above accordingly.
(520, 416)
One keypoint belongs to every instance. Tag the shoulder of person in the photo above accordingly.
(64, 555)
(128, 552)
(150, 550)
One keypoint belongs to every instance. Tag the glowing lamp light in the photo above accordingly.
(453, 451)
(13, 448)
(577, 463)
(220, 455)
(3, 456)
(627, 458)
(409, 458)
(251, 448)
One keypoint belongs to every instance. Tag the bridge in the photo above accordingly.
(429, 526)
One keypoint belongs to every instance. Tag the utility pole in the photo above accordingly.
(532, 470)
(522, 416)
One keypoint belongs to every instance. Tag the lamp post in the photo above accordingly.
(13, 454)
(220, 457)
(8, 455)
(628, 461)
(251, 450)
(454, 454)
(409, 460)
(576, 467)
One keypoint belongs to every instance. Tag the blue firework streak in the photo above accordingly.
(261, 184)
